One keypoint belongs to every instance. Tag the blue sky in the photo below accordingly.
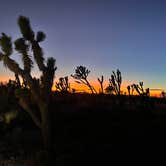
(101, 34)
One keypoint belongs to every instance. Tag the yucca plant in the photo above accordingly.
(36, 91)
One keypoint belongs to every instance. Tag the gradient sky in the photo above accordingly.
(102, 35)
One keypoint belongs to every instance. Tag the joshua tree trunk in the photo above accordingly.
(46, 128)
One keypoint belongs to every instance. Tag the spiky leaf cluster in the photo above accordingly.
(48, 75)
(22, 47)
(40, 36)
(81, 72)
(25, 28)
(6, 44)
(29, 35)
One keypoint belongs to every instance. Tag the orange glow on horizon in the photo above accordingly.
(5, 78)
(94, 83)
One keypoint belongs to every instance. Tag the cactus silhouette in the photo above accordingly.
(101, 84)
(38, 90)
(140, 89)
(115, 82)
(63, 84)
(81, 76)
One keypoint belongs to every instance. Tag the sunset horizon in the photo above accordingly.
(103, 36)
(80, 88)
(82, 82)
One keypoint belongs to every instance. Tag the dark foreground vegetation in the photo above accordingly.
(88, 129)
(106, 129)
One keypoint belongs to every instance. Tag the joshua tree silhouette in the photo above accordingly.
(101, 84)
(63, 84)
(81, 76)
(140, 89)
(115, 82)
(38, 90)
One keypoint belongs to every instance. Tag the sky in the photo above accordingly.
(103, 35)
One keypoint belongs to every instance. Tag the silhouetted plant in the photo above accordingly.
(147, 92)
(37, 92)
(101, 84)
(63, 84)
(163, 94)
(140, 89)
(115, 82)
(81, 76)
(132, 89)
(129, 90)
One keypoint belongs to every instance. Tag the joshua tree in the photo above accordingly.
(63, 84)
(140, 89)
(115, 82)
(81, 75)
(38, 91)
(101, 83)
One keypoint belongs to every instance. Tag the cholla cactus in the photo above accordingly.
(101, 83)
(115, 82)
(37, 92)
(81, 76)
(63, 85)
